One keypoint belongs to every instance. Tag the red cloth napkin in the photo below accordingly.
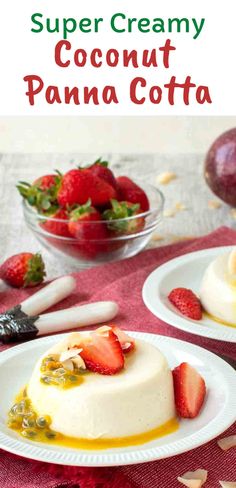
(123, 281)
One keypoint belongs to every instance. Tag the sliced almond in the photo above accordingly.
(214, 204)
(193, 479)
(166, 177)
(232, 262)
(227, 442)
(228, 484)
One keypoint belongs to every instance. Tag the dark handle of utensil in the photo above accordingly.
(15, 325)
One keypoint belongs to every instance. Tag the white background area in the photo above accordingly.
(210, 59)
(171, 135)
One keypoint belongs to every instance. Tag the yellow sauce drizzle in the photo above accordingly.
(46, 435)
(219, 321)
(133, 440)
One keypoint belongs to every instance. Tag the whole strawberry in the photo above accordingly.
(23, 270)
(100, 169)
(130, 192)
(87, 227)
(42, 194)
(80, 185)
(186, 302)
(57, 223)
(45, 182)
(119, 219)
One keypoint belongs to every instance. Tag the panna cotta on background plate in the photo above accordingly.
(210, 276)
(218, 288)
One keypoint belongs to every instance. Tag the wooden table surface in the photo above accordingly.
(188, 189)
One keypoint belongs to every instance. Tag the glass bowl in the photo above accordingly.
(87, 254)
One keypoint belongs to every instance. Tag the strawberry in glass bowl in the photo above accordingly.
(89, 215)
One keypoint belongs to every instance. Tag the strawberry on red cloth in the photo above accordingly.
(123, 282)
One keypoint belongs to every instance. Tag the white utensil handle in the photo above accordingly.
(89, 314)
(48, 296)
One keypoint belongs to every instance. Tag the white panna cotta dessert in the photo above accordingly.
(137, 399)
(218, 288)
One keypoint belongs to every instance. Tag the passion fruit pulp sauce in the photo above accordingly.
(219, 321)
(27, 422)
(45, 434)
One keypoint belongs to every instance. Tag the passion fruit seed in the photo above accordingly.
(13, 411)
(50, 434)
(46, 379)
(30, 433)
(59, 372)
(61, 380)
(29, 421)
(42, 422)
(23, 406)
(73, 378)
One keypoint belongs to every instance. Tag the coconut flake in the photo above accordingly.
(71, 358)
(193, 479)
(166, 177)
(180, 206)
(228, 484)
(214, 204)
(233, 213)
(170, 212)
(79, 362)
(67, 364)
(69, 354)
(227, 442)
(157, 237)
(103, 330)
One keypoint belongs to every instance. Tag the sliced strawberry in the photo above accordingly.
(186, 302)
(102, 353)
(127, 343)
(189, 389)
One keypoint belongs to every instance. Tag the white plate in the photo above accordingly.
(185, 271)
(217, 415)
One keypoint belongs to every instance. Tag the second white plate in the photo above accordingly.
(185, 271)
